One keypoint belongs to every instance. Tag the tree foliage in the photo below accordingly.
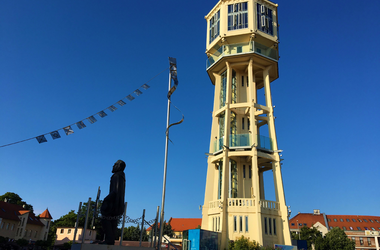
(336, 239)
(311, 235)
(243, 243)
(15, 199)
(132, 233)
(168, 230)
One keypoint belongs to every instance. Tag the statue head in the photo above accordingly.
(119, 166)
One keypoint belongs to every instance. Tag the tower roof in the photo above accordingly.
(46, 215)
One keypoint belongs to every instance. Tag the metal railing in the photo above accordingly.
(244, 141)
(241, 48)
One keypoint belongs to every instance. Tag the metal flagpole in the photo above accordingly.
(172, 76)
(165, 167)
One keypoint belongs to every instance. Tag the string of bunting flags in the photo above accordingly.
(68, 130)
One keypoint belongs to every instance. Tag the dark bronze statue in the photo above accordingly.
(113, 205)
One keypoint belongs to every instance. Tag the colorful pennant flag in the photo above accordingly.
(41, 139)
(55, 135)
(121, 103)
(129, 97)
(112, 108)
(91, 119)
(137, 92)
(102, 114)
(68, 130)
(81, 125)
(145, 86)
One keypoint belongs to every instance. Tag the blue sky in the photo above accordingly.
(62, 61)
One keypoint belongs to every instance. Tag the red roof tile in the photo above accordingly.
(12, 212)
(349, 222)
(181, 224)
(46, 215)
(9, 211)
(305, 218)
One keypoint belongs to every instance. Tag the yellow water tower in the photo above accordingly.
(242, 50)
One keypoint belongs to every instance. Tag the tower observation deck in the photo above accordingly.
(242, 61)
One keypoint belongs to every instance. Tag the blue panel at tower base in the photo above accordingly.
(301, 244)
(285, 247)
(199, 239)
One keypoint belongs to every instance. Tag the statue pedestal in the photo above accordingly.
(107, 247)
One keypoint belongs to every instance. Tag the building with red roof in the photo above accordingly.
(179, 225)
(18, 223)
(363, 229)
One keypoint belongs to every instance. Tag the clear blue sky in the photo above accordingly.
(62, 61)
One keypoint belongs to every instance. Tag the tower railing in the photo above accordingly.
(241, 48)
(273, 205)
(244, 141)
(241, 202)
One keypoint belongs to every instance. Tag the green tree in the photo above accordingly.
(168, 230)
(15, 199)
(67, 245)
(22, 242)
(312, 235)
(132, 233)
(243, 243)
(336, 239)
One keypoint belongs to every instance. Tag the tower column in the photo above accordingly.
(256, 195)
(226, 161)
(279, 187)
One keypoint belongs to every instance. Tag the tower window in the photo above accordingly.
(234, 180)
(243, 171)
(240, 223)
(235, 224)
(223, 88)
(246, 224)
(264, 19)
(242, 123)
(270, 226)
(265, 225)
(242, 81)
(250, 172)
(274, 227)
(238, 16)
(214, 26)
(249, 123)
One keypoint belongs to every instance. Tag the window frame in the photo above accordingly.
(266, 17)
(214, 26)
(237, 16)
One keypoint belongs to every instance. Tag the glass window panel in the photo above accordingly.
(246, 224)
(270, 226)
(265, 225)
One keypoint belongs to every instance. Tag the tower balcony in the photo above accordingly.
(233, 205)
(242, 205)
(241, 48)
(244, 141)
